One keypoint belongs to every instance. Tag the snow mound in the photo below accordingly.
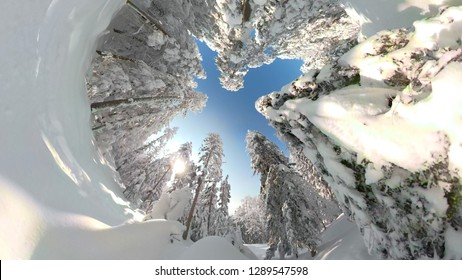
(155, 239)
(212, 248)
(342, 241)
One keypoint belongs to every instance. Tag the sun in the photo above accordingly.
(179, 166)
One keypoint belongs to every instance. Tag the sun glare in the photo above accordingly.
(179, 166)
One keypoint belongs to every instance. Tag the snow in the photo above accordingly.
(171, 206)
(359, 119)
(340, 241)
(260, 2)
(373, 174)
(212, 248)
(156, 40)
(453, 244)
(374, 16)
(158, 239)
(46, 145)
(436, 197)
(259, 250)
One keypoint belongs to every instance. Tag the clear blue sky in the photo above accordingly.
(232, 114)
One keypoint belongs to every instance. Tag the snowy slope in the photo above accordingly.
(378, 15)
(340, 241)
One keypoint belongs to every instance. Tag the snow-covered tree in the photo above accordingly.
(263, 154)
(370, 123)
(141, 170)
(222, 222)
(225, 195)
(142, 77)
(291, 203)
(209, 173)
(328, 209)
(171, 205)
(250, 217)
(248, 34)
(209, 205)
(186, 177)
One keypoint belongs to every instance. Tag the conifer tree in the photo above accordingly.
(209, 171)
(292, 218)
(250, 216)
(222, 223)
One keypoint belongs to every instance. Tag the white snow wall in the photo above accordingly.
(377, 15)
(46, 144)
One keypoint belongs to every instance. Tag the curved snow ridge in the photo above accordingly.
(30, 230)
(21, 222)
(57, 181)
(155, 239)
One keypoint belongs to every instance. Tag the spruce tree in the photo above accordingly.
(292, 218)
(209, 171)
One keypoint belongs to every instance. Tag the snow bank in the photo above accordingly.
(47, 145)
(212, 248)
(340, 241)
(156, 239)
(374, 16)
(21, 222)
(343, 241)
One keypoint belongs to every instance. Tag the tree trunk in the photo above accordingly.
(158, 181)
(246, 11)
(193, 206)
(210, 212)
(112, 103)
(152, 20)
(196, 196)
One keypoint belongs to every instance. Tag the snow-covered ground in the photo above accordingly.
(340, 241)
(378, 15)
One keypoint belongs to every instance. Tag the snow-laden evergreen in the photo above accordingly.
(266, 30)
(142, 77)
(373, 124)
(250, 217)
(208, 175)
(222, 223)
(291, 204)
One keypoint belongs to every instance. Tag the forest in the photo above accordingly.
(371, 128)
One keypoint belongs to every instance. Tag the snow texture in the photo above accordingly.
(212, 248)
